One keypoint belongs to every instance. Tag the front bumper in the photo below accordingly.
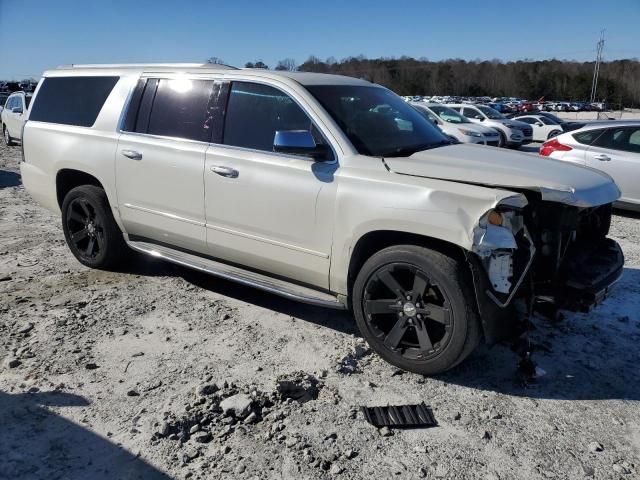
(590, 276)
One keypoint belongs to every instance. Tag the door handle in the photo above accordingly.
(225, 171)
(602, 158)
(132, 154)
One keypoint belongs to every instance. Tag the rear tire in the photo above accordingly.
(90, 230)
(8, 141)
(552, 134)
(415, 308)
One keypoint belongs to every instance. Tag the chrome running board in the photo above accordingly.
(283, 288)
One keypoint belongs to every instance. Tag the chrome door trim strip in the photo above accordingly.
(267, 240)
(165, 214)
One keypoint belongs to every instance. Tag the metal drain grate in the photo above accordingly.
(403, 416)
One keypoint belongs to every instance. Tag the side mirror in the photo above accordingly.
(299, 142)
(539, 124)
(16, 110)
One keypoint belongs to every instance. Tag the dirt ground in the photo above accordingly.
(158, 372)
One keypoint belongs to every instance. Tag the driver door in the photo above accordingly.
(265, 210)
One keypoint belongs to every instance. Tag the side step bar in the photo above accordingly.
(283, 288)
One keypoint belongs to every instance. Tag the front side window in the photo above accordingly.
(471, 113)
(72, 100)
(376, 121)
(547, 121)
(255, 112)
(491, 113)
(626, 139)
(449, 114)
(528, 120)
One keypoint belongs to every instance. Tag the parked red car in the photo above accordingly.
(526, 107)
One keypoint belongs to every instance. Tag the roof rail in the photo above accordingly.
(143, 65)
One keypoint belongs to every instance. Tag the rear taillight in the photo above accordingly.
(553, 146)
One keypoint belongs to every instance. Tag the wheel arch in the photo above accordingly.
(374, 241)
(496, 324)
(69, 178)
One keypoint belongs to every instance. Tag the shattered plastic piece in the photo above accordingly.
(540, 372)
(402, 416)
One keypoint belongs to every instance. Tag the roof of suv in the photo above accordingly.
(304, 78)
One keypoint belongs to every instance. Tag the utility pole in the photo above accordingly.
(596, 67)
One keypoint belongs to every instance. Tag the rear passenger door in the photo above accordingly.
(160, 160)
(617, 152)
(266, 210)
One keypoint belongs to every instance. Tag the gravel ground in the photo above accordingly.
(160, 372)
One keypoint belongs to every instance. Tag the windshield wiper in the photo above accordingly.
(408, 151)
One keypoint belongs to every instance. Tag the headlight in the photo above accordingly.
(469, 133)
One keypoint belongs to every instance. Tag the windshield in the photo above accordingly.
(449, 114)
(378, 122)
(490, 112)
(551, 116)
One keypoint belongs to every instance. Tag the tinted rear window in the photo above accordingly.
(181, 109)
(72, 100)
(587, 137)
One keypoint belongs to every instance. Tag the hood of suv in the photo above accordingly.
(478, 127)
(556, 181)
(516, 123)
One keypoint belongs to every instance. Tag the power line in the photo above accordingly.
(596, 67)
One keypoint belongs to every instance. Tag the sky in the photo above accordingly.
(36, 35)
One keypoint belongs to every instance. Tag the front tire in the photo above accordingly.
(503, 140)
(415, 308)
(90, 230)
(8, 141)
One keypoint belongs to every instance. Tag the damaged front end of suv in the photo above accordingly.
(541, 251)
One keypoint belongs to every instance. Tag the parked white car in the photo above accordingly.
(613, 148)
(13, 117)
(544, 128)
(512, 133)
(457, 126)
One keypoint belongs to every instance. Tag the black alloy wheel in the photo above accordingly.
(91, 232)
(407, 311)
(85, 228)
(416, 308)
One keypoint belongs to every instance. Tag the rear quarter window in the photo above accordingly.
(71, 100)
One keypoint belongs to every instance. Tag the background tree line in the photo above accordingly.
(619, 81)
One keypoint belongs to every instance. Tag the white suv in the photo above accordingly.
(512, 133)
(13, 117)
(324, 189)
(457, 126)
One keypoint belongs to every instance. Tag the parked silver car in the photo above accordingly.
(512, 132)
